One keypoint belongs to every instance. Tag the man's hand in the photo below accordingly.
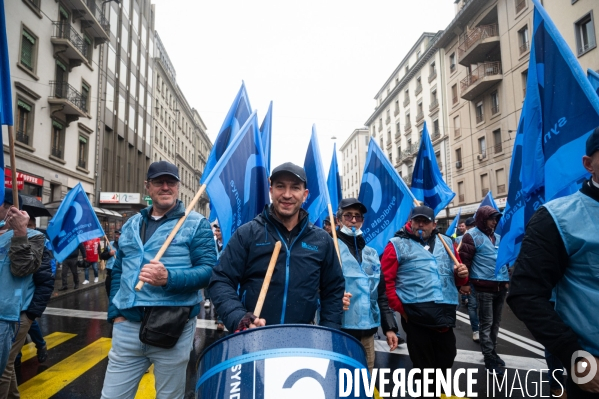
(154, 273)
(593, 385)
(17, 221)
(461, 270)
(257, 323)
(346, 300)
(112, 252)
(391, 340)
(249, 321)
(119, 319)
(465, 290)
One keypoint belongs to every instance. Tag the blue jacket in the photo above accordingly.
(307, 265)
(189, 260)
(43, 281)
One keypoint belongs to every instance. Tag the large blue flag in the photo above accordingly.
(238, 184)
(334, 181)
(561, 111)
(519, 206)
(489, 201)
(74, 222)
(266, 134)
(318, 193)
(594, 79)
(386, 196)
(454, 225)
(427, 182)
(6, 117)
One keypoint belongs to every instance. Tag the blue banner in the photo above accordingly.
(333, 185)
(6, 117)
(561, 110)
(75, 222)
(318, 193)
(594, 79)
(489, 201)
(238, 184)
(386, 196)
(266, 133)
(428, 185)
(454, 225)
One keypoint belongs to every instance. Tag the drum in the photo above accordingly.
(280, 361)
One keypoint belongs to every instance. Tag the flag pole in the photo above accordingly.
(108, 242)
(266, 283)
(449, 251)
(334, 232)
(13, 166)
(170, 237)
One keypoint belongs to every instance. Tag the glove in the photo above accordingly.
(245, 322)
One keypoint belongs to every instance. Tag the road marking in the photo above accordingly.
(52, 340)
(516, 339)
(147, 386)
(50, 382)
(474, 357)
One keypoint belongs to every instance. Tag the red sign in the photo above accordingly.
(21, 178)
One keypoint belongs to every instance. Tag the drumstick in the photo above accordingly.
(449, 251)
(334, 231)
(266, 283)
(170, 237)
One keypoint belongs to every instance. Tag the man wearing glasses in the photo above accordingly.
(174, 281)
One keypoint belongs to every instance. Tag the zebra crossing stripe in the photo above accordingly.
(50, 382)
(52, 340)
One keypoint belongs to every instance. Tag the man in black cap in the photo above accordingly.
(24, 249)
(171, 293)
(306, 267)
(421, 282)
(560, 254)
(468, 292)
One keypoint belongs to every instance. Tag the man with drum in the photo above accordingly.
(307, 269)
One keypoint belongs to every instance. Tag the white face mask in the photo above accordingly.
(350, 231)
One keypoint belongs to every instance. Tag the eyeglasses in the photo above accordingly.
(349, 218)
(160, 183)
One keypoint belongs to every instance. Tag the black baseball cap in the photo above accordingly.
(470, 222)
(162, 168)
(292, 168)
(117, 232)
(423, 211)
(347, 202)
(8, 198)
(593, 142)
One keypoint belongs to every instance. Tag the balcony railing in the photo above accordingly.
(520, 4)
(432, 76)
(408, 127)
(456, 132)
(98, 14)
(454, 100)
(22, 137)
(418, 89)
(387, 120)
(57, 152)
(479, 33)
(497, 148)
(500, 188)
(484, 191)
(480, 118)
(396, 111)
(81, 163)
(64, 30)
(495, 109)
(419, 116)
(452, 68)
(461, 198)
(66, 91)
(434, 104)
(380, 127)
(523, 47)
(482, 70)
(436, 134)
(406, 101)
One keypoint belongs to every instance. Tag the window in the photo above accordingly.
(497, 147)
(520, 5)
(432, 71)
(24, 122)
(585, 34)
(452, 67)
(82, 160)
(484, 184)
(480, 117)
(523, 39)
(524, 82)
(396, 110)
(57, 139)
(408, 122)
(456, 126)
(388, 119)
(500, 179)
(420, 113)
(436, 130)
(494, 103)
(418, 85)
(458, 158)
(89, 48)
(482, 148)
(454, 94)
(406, 97)
(461, 191)
(28, 50)
(85, 89)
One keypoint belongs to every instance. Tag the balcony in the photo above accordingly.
(520, 5)
(432, 76)
(418, 89)
(481, 79)
(57, 152)
(68, 43)
(476, 44)
(484, 191)
(92, 18)
(380, 127)
(406, 101)
(500, 188)
(523, 48)
(81, 163)
(387, 120)
(436, 134)
(404, 156)
(396, 111)
(22, 137)
(434, 105)
(64, 98)
(456, 132)
(408, 127)
(461, 198)
(497, 148)
(419, 116)
(413, 148)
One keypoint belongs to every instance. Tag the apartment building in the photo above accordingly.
(54, 54)
(485, 52)
(353, 159)
(412, 95)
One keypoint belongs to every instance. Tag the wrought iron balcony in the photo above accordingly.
(434, 105)
(22, 137)
(419, 116)
(92, 18)
(523, 47)
(520, 4)
(406, 101)
(480, 79)
(436, 134)
(64, 98)
(57, 152)
(500, 188)
(418, 89)
(432, 76)
(476, 44)
(69, 43)
(81, 163)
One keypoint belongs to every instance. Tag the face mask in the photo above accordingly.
(2, 223)
(351, 232)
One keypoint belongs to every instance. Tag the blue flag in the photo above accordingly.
(561, 111)
(318, 193)
(519, 206)
(75, 222)
(266, 133)
(454, 225)
(238, 184)
(489, 201)
(6, 117)
(386, 196)
(594, 79)
(333, 185)
(427, 183)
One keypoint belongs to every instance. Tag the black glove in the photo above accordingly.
(245, 322)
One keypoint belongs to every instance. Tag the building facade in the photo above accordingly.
(485, 52)
(55, 62)
(412, 95)
(353, 159)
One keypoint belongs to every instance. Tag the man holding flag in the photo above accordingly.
(560, 255)
(171, 287)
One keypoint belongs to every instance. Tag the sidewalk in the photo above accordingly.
(82, 287)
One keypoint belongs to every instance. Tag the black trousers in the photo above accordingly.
(107, 281)
(66, 265)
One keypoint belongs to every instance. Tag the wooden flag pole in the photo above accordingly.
(266, 283)
(334, 232)
(108, 242)
(13, 167)
(449, 251)
(170, 237)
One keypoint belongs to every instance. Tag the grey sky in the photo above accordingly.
(319, 62)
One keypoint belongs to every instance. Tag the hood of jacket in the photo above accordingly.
(483, 214)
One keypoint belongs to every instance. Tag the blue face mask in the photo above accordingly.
(351, 231)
